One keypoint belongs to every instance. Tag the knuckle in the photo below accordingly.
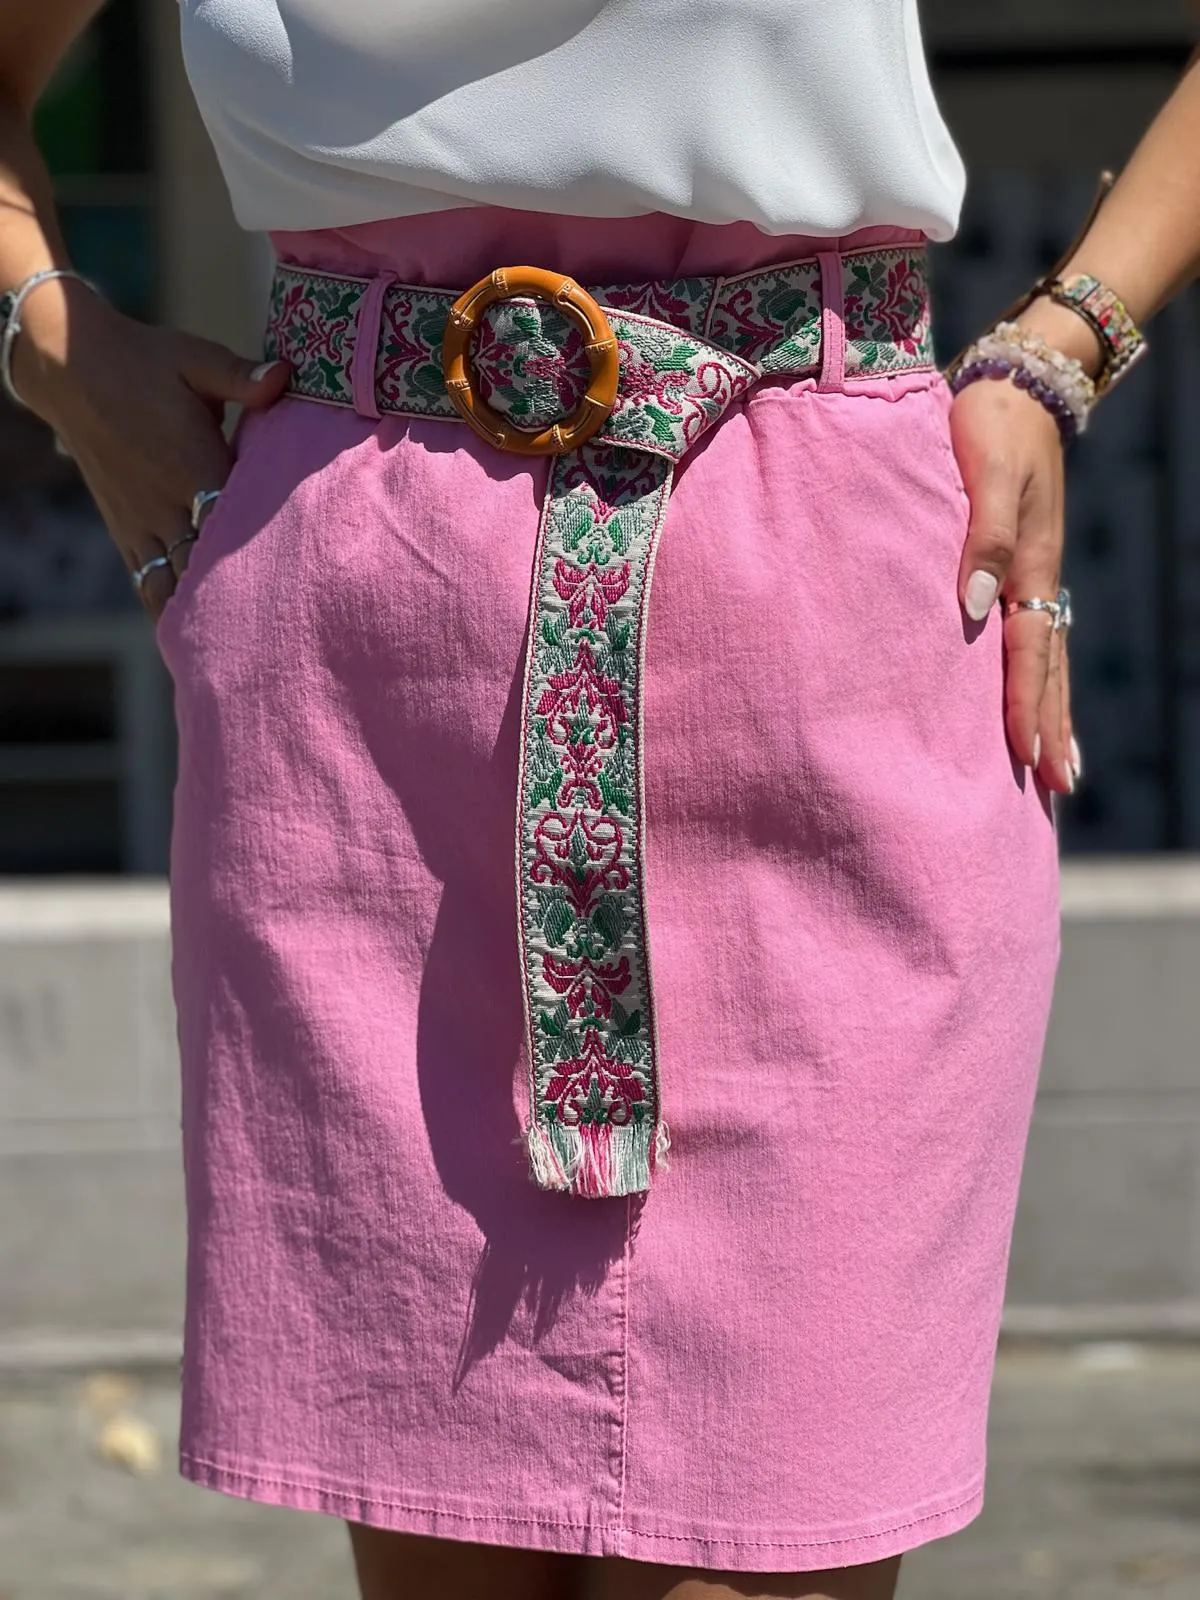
(1026, 681)
(992, 549)
(1029, 657)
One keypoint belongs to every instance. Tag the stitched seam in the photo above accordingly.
(639, 766)
(945, 449)
(522, 785)
(809, 1544)
(833, 323)
(186, 1458)
(788, 388)
(368, 334)
(625, 1357)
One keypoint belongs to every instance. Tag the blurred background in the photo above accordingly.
(1097, 1465)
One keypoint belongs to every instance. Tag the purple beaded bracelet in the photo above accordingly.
(998, 367)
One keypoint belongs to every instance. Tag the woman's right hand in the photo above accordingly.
(140, 409)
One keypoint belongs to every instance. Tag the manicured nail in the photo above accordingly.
(1037, 751)
(260, 372)
(1069, 777)
(1076, 759)
(981, 594)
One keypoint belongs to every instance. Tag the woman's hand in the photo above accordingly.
(140, 409)
(1011, 460)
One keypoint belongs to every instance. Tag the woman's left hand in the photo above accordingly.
(1011, 459)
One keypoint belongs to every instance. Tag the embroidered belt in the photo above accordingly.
(685, 349)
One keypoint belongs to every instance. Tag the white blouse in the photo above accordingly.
(800, 116)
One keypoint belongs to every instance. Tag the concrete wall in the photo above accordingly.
(1108, 1229)
(91, 1236)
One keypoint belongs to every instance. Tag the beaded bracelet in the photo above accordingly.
(1057, 381)
(1121, 340)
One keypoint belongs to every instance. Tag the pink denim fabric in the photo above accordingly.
(780, 1359)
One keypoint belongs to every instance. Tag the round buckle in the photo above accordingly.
(601, 345)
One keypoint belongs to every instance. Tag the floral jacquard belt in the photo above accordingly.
(540, 363)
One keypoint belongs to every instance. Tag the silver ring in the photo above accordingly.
(202, 499)
(138, 576)
(184, 538)
(1053, 609)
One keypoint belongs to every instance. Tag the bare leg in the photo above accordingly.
(616, 1579)
(408, 1566)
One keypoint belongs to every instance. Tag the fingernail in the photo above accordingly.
(1037, 751)
(1076, 759)
(981, 594)
(260, 372)
(1069, 775)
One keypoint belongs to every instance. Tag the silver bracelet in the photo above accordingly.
(10, 319)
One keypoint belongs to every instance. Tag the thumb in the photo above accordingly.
(991, 541)
(216, 373)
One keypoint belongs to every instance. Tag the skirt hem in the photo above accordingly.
(590, 1537)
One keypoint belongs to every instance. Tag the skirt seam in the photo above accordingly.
(812, 1544)
(186, 1459)
(626, 1275)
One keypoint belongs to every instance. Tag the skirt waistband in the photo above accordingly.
(461, 245)
(839, 316)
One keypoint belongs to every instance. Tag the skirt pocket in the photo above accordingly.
(206, 549)
(944, 447)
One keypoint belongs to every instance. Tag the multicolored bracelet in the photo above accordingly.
(1104, 311)
(1121, 340)
(1057, 381)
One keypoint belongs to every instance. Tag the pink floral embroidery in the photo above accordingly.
(682, 301)
(886, 312)
(895, 309)
(582, 697)
(589, 988)
(581, 855)
(592, 1086)
(581, 766)
(610, 477)
(772, 318)
(716, 386)
(642, 380)
(529, 362)
(590, 590)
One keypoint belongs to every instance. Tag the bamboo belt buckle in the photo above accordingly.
(506, 283)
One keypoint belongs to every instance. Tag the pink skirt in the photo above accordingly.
(780, 1358)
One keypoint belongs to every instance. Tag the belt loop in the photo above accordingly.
(366, 345)
(833, 325)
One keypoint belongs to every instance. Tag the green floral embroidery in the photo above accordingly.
(886, 313)
(772, 318)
